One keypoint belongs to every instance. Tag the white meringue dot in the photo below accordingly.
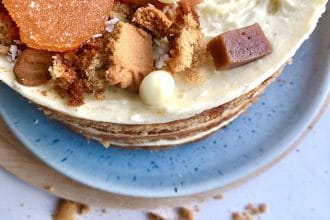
(157, 88)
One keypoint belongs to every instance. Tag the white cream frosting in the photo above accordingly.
(286, 23)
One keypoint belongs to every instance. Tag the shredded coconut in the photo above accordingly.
(97, 35)
(151, 5)
(166, 9)
(169, 11)
(175, 4)
(110, 25)
(160, 52)
(14, 52)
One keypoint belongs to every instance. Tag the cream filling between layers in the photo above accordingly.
(161, 142)
(287, 23)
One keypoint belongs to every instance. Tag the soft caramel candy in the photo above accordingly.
(238, 47)
(31, 67)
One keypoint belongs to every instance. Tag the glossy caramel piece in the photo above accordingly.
(31, 67)
(238, 47)
(58, 25)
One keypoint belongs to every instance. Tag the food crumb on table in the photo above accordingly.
(68, 210)
(49, 188)
(197, 208)
(250, 212)
(218, 197)
(154, 216)
(185, 214)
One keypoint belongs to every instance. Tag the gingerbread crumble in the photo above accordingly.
(154, 20)
(186, 43)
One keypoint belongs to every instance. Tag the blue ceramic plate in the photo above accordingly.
(248, 144)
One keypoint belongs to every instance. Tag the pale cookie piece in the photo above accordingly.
(130, 57)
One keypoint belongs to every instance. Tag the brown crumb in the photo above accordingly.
(248, 216)
(154, 216)
(68, 210)
(236, 216)
(193, 77)
(49, 188)
(197, 208)
(185, 214)
(251, 209)
(83, 209)
(44, 92)
(153, 20)
(218, 197)
(262, 208)
(103, 210)
(105, 143)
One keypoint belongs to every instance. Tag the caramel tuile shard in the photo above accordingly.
(58, 25)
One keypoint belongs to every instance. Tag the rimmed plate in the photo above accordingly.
(246, 145)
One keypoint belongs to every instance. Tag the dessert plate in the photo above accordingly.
(248, 144)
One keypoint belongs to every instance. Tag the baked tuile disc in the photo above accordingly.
(58, 25)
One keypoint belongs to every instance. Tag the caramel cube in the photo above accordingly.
(238, 47)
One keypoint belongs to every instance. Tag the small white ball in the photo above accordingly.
(157, 88)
